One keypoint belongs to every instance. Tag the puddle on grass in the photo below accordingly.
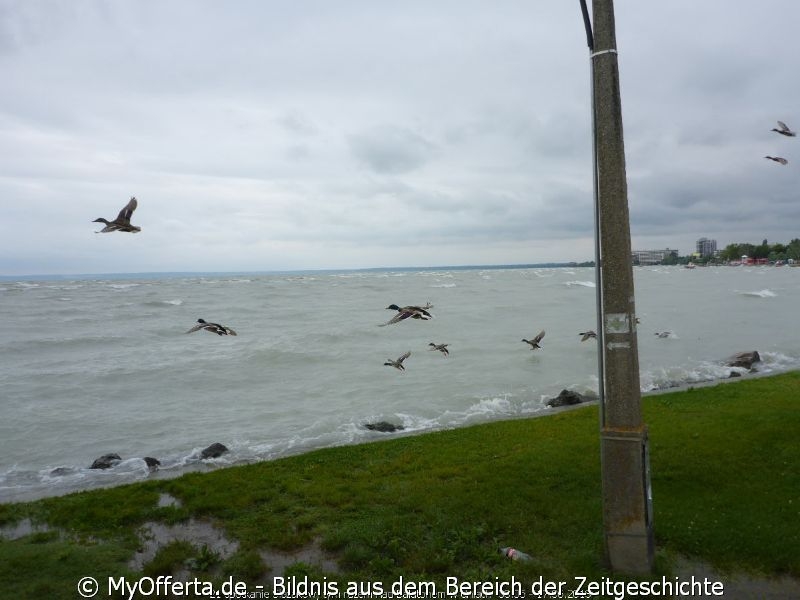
(165, 500)
(22, 528)
(154, 536)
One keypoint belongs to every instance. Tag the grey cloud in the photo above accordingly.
(391, 150)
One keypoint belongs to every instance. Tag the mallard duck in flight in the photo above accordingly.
(535, 341)
(212, 327)
(397, 364)
(778, 159)
(784, 130)
(586, 335)
(123, 220)
(415, 312)
(440, 347)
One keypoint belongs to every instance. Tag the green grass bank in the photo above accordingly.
(725, 477)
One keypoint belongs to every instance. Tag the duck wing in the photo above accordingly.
(538, 337)
(402, 358)
(197, 327)
(403, 314)
(783, 126)
(125, 214)
(228, 330)
(418, 311)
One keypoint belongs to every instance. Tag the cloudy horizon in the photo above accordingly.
(268, 136)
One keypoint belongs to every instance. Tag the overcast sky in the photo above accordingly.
(271, 135)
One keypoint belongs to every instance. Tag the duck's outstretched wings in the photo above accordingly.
(416, 312)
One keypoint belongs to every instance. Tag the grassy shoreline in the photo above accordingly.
(725, 483)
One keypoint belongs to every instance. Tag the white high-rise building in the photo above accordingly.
(706, 247)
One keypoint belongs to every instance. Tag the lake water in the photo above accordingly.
(94, 366)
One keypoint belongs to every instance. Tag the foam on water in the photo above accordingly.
(759, 294)
(173, 302)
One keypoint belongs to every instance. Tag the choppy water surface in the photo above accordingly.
(89, 367)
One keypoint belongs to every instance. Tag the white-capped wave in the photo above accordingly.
(776, 362)
(759, 294)
(664, 378)
(588, 284)
(123, 286)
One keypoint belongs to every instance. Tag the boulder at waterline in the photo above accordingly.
(215, 450)
(106, 461)
(383, 427)
(744, 360)
(566, 398)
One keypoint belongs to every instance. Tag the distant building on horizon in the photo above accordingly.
(706, 247)
(652, 257)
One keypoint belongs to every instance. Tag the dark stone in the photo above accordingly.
(734, 374)
(744, 360)
(106, 461)
(383, 427)
(215, 450)
(152, 463)
(566, 398)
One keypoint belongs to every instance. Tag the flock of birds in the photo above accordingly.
(421, 312)
(784, 130)
(123, 223)
(411, 312)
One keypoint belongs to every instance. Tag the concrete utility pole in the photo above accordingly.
(627, 500)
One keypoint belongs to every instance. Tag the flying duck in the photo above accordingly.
(663, 334)
(784, 130)
(535, 341)
(212, 327)
(123, 220)
(441, 348)
(397, 364)
(587, 335)
(778, 159)
(415, 312)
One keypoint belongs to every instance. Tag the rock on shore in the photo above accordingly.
(567, 398)
(106, 461)
(383, 427)
(215, 450)
(744, 360)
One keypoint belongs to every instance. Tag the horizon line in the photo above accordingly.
(134, 274)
